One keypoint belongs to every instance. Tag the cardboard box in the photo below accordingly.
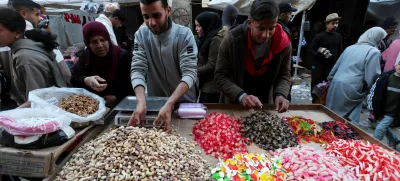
(34, 163)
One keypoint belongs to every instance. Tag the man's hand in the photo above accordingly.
(111, 101)
(250, 101)
(139, 115)
(96, 83)
(282, 104)
(164, 116)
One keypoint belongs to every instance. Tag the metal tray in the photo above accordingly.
(154, 104)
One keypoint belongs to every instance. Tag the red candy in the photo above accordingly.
(220, 135)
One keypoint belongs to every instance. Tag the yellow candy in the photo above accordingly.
(259, 157)
(238, 157)
(249, 156)
(232, 162)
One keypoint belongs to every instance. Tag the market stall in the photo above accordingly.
(125, 154)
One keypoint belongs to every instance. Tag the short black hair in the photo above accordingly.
(148, 2)
(264, 10)
(11, 20)
(17, 5)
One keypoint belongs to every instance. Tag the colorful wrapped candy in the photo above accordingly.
(308, 130)
(367, 161)
(306, 163)
(220, 135)
(250, 167)
(341, 130)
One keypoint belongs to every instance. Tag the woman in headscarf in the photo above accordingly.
(34, 65)
(354, 74)
(103, 67)
(208, 24)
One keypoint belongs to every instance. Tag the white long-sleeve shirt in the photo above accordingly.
(107, 23)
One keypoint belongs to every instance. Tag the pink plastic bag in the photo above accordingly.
(191, 111)
(20, 122)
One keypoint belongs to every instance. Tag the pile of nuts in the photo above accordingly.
(79, 105)
(131, 153)
(268, 131)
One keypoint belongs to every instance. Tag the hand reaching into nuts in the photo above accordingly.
(164, 116)
(139, 115)
(282, 104)
(250, 101)
(96, 83)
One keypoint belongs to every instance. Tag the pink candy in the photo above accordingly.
(306, 163)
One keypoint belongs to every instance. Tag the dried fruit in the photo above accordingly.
(308, 130)
(268, 131)
(219, 134)
(131, 153)
(79, 105)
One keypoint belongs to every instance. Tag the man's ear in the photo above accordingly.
(168, 10)
(249, 22)
(23, 13)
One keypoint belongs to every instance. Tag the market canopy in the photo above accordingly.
(245, 5)
(3, 3)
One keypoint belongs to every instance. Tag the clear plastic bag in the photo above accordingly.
(48, 99)
(11, 122)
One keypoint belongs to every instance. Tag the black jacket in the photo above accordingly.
(377, 98)
(122, 86)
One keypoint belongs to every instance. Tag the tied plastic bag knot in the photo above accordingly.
(49, 98)
(191, 111)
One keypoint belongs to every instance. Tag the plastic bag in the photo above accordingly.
(11, 121)
(191, 111)
(41, 141)
(48, 99)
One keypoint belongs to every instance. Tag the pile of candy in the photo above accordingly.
(220, 134)
(268, 131)
(341, 130)
(243, 167)
(308, 130)
(306, 163)
(367, 161)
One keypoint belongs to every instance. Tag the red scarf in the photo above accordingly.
(280, 41)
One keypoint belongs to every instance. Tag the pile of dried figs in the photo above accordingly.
(268, 131)
(79, 105)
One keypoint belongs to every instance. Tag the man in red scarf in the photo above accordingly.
(253, 65)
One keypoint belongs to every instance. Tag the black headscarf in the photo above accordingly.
(211, 24)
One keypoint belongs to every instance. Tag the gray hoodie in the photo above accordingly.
(33, 67)
(161, 62)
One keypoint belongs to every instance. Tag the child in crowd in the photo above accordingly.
(384, 101)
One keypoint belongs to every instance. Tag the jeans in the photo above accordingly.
(383, 128)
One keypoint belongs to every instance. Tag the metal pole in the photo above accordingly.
(299, 47)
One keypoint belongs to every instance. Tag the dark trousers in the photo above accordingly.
(318, 75)
(209, 97)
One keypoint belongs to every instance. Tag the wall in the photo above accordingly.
(182, 12)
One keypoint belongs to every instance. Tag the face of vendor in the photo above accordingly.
(7, 37)
(332, 26)
(262, 30)
(285, 17)
(156, 16)
(99, 46)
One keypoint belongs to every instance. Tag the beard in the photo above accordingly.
(161, 29)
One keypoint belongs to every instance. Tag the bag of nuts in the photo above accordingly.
(78, 104)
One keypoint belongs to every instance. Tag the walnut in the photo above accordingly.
(79, 105)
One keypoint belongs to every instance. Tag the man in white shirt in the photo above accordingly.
(114, 20)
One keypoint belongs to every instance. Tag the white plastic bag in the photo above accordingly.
(48, 99)
(9, 121)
